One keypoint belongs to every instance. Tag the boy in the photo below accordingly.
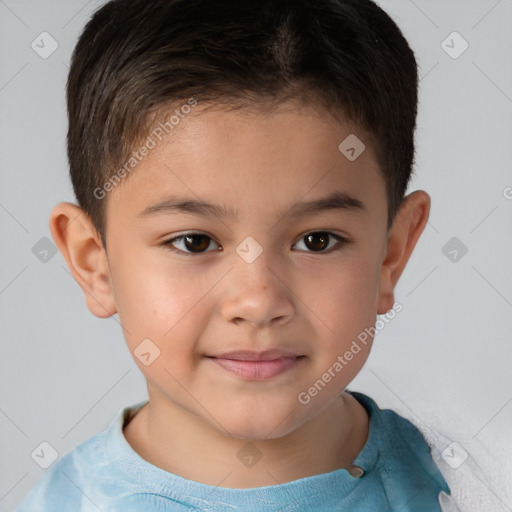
(240, 169)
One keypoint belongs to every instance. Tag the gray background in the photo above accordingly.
(443, 362)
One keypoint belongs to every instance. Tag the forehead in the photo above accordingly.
(253, 162)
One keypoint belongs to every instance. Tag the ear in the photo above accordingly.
(81, 246)
(407, 227)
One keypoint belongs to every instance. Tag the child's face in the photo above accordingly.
(301, 298)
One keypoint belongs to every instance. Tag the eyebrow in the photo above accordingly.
(176, 205)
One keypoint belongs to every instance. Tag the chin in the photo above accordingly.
(257, 432)
(258, 425)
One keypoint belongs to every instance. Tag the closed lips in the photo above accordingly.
(257, 365)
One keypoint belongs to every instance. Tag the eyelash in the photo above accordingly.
(342, 241)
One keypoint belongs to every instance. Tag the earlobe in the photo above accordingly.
(81, 246)
(407, 227)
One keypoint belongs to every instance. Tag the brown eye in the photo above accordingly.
(191, 243)
(319, 241)
(196, 243)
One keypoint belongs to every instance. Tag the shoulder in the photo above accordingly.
(397, 436)
(406, 469)
(63, 485)
(85, 475)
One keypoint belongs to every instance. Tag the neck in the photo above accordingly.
(183, 445)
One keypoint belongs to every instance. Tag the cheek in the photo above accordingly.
(155, 300)
(344, 296)
(343, 307)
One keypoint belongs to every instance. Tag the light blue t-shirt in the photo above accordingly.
(393, 472)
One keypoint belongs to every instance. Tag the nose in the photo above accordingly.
(257, 293)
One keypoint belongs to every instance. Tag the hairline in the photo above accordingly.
(262, 106)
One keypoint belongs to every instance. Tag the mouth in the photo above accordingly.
(257, 366)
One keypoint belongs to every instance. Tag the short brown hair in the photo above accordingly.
(138, 59)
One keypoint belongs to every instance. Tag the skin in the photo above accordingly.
(305, 298)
